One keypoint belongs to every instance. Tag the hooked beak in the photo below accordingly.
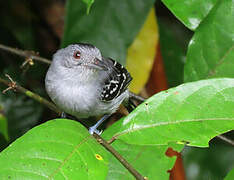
(98, 64)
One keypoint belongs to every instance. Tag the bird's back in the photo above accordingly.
(116, 82)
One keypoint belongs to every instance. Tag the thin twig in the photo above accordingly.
(26, 54)
(27, 61)
(30, 55)
(229, 141)
(108, 147)
(12, 85)
(136, 97)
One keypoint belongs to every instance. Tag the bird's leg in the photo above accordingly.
(93, 128)
(136, 97)
(130, 106)
(63, 115)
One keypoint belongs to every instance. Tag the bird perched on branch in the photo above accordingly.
(83, 83)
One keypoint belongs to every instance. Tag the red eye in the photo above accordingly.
(77, 55)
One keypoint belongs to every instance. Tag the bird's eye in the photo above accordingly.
(76, 55)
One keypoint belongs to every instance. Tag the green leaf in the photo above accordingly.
(22, 114)
(172, 51)
(140, 157)
(111, 25)
(88, 4)
(3, 125)
(211, 50)
(58, 149)
(230, 175)
(191, 113)
(190, 12)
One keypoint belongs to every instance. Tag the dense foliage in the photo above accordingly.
(198, 57)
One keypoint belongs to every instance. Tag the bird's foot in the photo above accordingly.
(93, 129)
(63, 115)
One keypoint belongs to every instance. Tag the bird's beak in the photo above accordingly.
(98, 64)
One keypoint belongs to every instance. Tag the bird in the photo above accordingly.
(84, 84)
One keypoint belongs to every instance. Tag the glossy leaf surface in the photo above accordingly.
(57, 149)
(191, 113)
(150, 161)
(191, 12)
(110, 26)
(211, 50)
(230, 175)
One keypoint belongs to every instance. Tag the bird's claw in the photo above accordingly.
(63, 115)
(93, 129)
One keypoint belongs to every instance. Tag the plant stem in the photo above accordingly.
(229, 141)
(108, 147)
(31, 95)
(26, 54)
(136, 97)
(12, 85)
(33, 55)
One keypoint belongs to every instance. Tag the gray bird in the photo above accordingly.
(83, 83)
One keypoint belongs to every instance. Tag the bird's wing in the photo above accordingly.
(116, 82)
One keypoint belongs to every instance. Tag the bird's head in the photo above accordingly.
(85, 57)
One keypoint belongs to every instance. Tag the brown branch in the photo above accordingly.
(26, 54)
(30, 55)
(136, 97)
(227, 140)
(12, 85)
(108, 147)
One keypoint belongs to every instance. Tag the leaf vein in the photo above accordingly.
(68, 157)
(169, 123)
(213, 71)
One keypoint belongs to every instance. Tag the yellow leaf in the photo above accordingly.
(141, 53)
